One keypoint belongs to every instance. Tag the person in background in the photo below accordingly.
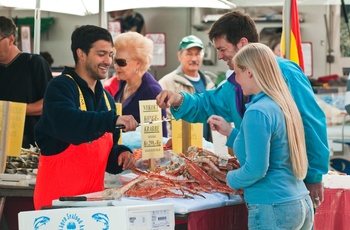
(47, 56)
(129, 20)
(275, 44)
(230, 33)
(187, 77)
(23, 77)
(274, 165)
(77, 132)
(133, 57)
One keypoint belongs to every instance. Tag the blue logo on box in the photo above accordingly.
(72, 221)
(103, 218)
(40, 221)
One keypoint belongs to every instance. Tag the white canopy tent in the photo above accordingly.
(87, 7)
(244, 3)
(111, 5)
(76, 7)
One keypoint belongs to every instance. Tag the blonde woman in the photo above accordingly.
(132, 59)
(270, 145)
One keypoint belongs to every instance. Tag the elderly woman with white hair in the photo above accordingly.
(132, 59)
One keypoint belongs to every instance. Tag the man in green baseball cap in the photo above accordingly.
(189, 42)
(187, 77)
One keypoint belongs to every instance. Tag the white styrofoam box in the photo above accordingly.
(127, 215)
(336, 181)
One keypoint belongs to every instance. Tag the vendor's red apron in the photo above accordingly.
(77, 170)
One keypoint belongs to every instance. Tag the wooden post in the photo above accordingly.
(3, 129)
(186, 136)
(152, 164)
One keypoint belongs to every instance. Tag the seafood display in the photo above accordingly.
(185, 176)
(25, 163)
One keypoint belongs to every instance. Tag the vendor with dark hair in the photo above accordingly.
(77, 132)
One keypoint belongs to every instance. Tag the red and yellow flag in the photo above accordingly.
(296, 52)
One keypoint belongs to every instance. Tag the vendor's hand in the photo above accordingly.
(316, 193)
(127, 159)
(167, 98)
(128, 121)
(219, 124)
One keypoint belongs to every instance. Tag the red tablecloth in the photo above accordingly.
(233, 217)
(334, 212)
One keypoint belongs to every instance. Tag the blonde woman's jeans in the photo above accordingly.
(292, 215)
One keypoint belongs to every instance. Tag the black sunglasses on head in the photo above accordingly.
(120, 62)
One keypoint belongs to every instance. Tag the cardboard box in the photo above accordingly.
(336, 181)
(127, 215)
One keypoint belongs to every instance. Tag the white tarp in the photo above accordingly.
(86, 7)
(243, 3)
(75, 7)
(112, 5)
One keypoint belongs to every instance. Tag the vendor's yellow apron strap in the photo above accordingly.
(107, 101)
(82, 100)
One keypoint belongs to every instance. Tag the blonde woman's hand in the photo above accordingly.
(219, 124)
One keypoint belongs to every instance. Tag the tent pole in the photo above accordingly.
(37, 26)
(287, 25)
(102, 14)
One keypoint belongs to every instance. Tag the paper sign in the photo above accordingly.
(115, 28)
(219, 142)
(151, 135)
(12, 117)
(119, 112)
(159, 55)
(184, 136)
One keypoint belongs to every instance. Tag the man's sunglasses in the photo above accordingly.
(120, 62)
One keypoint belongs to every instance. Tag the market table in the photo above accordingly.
(333, 213)
(215, 211)
(14, 199)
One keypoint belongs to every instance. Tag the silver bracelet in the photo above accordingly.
(176, 108)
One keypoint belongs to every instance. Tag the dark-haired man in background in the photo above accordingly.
(23, 77)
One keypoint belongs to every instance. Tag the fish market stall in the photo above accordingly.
(182, 183)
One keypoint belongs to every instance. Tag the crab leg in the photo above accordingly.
(119, 192)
